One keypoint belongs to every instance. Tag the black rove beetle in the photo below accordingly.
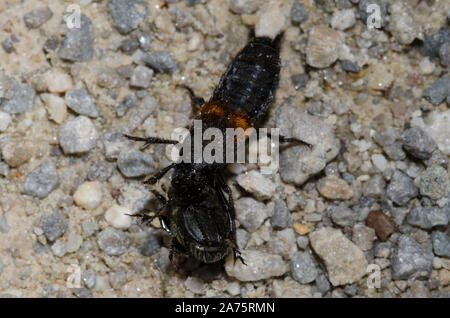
(199, 211)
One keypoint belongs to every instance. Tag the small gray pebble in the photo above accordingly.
(382, 249)
(144, 39)
(128, 102)
(387, 136)
(434, 182)
(151, 245)
(78, 44)
(410, 258)
(112, 241)
(418, 143)
(298, 13)
(51, 43)
(77, 135)
(439, 90)
(433, 42)
(322, 284)
(100, 171)
(191, 3)
(427, 217)
(89, 278)
(135, 197)
(125, 71)
(82, 292)
(129, 45)
(441, 243)
(302, 242)
(395, 151)
(117, 278)
(281, 217)
(244, 6)
(350, 66)
(348, 177)
(42, 180)
(299, 80)
(19, 97)
(444, 53)
(332, 169)
(375, 187)
(343, 216)
(37, 17)
(127, 14)
(4, 226)
(401, 188)
(81, 102)
(1, 266)
(141, 77)
(437, 158)
(303, 268)
(113, 143)
(39, 248)
(160, 61)
(242, 238)
(7, 45)
(251, 213)
(88, 228)
(350, 290)
(133, 163)
(54, 225)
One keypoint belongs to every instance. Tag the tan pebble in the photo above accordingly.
(380, 76)
(58, 81)
(334, 188)
(301, 229)
(322, 48)
(56, 107)
(444, 277)
(16, 153)
(249, 19)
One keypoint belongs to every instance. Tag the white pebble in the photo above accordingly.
(343, 20)
(258, 185)
(271, 20)
(5, 120)
(58, 81)
(117, 217)
(194, 42)
(426, 66)
(89, 195)
(56, 107)
(379, 161)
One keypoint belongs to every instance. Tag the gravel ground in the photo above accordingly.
(369, 203)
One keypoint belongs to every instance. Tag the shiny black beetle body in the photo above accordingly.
(199, 212)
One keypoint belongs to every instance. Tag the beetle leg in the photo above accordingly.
(159, 196)
(197, 102)
(148, 219)
(236, 252)
(176, 250)
(285, 140)
(153, 179)
(222, 185)
(151, 140)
